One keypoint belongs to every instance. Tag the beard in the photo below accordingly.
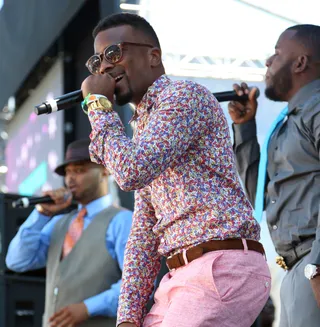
(280, 84)
(123, 96)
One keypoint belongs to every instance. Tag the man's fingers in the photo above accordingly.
(236, 106)
(58, 317)
(238, 89)
(245, 87)
(67, 322)
(252, 94)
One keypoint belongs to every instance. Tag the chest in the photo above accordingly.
(292, 145)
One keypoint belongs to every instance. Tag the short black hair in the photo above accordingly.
(135, 21)
(309, 36)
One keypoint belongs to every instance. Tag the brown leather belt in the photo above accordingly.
(180, 259)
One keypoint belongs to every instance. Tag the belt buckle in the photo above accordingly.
(281, 262)
(168, 258)
(184, 257)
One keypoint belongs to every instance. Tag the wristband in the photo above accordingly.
(84, 103)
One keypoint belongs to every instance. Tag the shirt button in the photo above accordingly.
(273, 201)
(56, 291)
(274, 227)
(276, 148)
(276, 174)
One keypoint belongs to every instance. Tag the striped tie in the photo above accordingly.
(74, 232)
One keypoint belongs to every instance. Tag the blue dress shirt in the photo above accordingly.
(29, 249)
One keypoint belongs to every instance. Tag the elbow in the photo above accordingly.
(11, 266)
(13, 263)
(131, 184)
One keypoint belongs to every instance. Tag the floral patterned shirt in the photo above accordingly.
(181, 164)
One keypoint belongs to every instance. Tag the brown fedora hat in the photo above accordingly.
(77, 151)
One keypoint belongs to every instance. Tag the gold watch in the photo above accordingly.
(99, 102)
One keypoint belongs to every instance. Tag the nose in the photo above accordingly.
(69, 178)
(269, 61)
(105, 66)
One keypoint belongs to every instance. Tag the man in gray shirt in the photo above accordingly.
(292, 188)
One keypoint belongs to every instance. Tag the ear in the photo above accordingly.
(155, 57)
(300, 64)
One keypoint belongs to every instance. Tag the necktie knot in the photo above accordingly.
(82, 213)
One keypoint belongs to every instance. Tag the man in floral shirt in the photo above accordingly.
(189, 204)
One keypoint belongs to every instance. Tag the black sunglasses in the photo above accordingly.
(112, 54)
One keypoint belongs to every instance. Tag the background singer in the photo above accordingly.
(83, 250)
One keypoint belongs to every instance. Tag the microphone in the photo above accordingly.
(27, 202)
(68, 100)
(233, 96)
(63, 102)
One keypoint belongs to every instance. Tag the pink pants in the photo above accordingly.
(220, 289)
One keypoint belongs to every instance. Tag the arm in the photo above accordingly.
(246, 147)
(141, 264)
(29, 248)
(247, 153)
(106, 303)
(181, 116)
(314, 127)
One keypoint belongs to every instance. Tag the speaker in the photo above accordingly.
(21, 301)
(10, 221)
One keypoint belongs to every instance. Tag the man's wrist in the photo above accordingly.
(86, 310)
(98, 101)
(311, 271)
(43, 211)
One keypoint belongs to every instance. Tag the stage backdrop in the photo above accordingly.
(35, 145)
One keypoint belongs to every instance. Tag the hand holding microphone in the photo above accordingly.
(103, 84)
(61, 199)
(51, 203)
(243, 111)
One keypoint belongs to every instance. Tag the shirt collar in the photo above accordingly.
(303, 95)
(97, 205)
(150, 96)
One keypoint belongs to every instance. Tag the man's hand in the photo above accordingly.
(242, 112)
(62, 199)
(315, 284)
(103, 84)
(127, 324)
(69, 316)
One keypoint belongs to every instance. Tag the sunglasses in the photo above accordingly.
(112, 54)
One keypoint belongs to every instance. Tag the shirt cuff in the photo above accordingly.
(105, 303)
(244, 132)
(315, 253)
(97, 307)
(91, 307)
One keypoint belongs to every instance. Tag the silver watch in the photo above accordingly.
(311, 271)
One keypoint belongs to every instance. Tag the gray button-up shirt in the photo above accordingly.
(293, 180)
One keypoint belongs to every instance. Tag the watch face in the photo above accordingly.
(310, 271)
(105, 102)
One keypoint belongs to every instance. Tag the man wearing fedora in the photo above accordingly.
(82, 250)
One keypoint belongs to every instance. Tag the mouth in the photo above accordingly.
(118, 78)
(72, 188)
